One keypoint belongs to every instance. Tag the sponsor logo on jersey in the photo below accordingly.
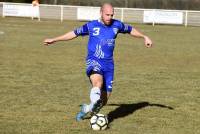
(108, 42)
(115, 30)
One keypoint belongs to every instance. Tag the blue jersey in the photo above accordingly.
(102, 38)
(101, 45)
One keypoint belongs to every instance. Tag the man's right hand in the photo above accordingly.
(48, 41)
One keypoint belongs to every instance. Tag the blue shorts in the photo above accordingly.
(106, 69)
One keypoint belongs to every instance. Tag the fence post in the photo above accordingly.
(61, 13)
(3, 11)
(154, 14)
(186, 18)
(122, 14)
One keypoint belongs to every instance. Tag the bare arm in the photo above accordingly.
(147, 40)
(68, 36)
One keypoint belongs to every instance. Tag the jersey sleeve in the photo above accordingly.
(83, 30)
(125, 28)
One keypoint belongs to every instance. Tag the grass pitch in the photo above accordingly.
(156, 90)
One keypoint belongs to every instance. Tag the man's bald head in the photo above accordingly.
(107, 12)
(106, 6)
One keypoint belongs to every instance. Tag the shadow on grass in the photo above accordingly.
(126, 109)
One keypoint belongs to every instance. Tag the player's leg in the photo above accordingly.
(106, 90)
(107, 86)
(105, 96)
(95, 94)
(100, 93)
(95, 105)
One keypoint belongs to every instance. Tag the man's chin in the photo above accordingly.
(108, 22)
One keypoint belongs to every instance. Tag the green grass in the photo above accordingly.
(156, 90)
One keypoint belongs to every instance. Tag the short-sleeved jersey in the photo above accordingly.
(101, 41)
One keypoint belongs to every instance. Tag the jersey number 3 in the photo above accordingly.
(96, 31)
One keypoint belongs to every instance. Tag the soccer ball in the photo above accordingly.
(99, 122)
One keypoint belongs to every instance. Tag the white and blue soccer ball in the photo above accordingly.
(99, 122)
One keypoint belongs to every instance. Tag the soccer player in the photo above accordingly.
(100, 67)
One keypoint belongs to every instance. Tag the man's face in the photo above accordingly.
(107, 13)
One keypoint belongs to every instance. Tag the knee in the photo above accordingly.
(96, 80)
(97, 84)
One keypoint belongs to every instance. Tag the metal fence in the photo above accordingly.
(129, 15)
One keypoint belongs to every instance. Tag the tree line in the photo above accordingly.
(151, 4)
